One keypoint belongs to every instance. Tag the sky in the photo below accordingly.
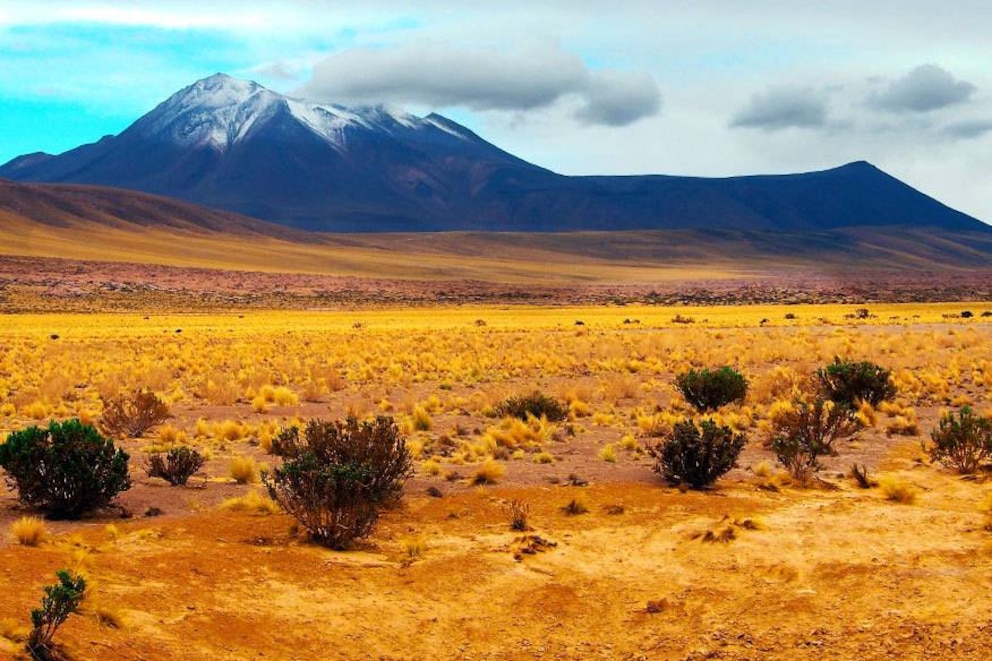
(702, 88)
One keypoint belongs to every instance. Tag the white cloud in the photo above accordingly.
(527, 77)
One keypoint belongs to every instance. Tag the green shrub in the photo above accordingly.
(338, 476)
(697, 456)
(962, 441)
(132, 415)
(536, 404)
(848, 382)
(60, 601)
(65, 470)
(807, 432)
(708, 390)
(178, 465)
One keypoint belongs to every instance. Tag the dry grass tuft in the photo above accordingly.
(414, 548)
(576, 506)
(244, 470)
(14, 631)
(490, 472)
(899, 491)
(29, 531)
(254, 502)
(519, 511)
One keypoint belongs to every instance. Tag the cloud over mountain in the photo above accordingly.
(535, 75)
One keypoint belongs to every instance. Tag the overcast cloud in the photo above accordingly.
(532, 76)
(968, 130)
(783, 108)
(925, 88)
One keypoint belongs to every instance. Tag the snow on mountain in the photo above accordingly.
(221, 111)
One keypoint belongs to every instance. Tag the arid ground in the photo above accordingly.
(754, 568)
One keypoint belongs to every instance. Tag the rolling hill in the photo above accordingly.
(113, 225)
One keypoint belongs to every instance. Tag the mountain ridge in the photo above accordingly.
(235, 145)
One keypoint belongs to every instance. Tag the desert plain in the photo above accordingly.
(615, 563)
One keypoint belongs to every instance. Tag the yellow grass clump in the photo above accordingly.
(898, 491)
(490, 472)
(414, 548)
(513, 433)
(29, 531)
(253, 502)
(244, 470)
(420, 419)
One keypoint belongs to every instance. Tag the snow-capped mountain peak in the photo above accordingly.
(220, 111)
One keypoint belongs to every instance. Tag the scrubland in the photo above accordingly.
(609, 560)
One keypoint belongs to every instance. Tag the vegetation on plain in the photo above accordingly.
(65, 469)
(337, 477)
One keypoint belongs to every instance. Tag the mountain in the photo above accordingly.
(234, 145)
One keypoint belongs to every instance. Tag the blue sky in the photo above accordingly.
(710, 88)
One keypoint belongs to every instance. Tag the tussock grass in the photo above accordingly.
(490, 472)
(254, 502)
(898, 490)
(29, 531)
(244, 470)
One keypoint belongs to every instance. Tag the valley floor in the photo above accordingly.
(756, 568)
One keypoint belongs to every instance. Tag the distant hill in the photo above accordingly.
(113, 225)
(234, 145)
(75, 206)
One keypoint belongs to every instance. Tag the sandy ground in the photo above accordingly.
(807, 573)
(748, 570)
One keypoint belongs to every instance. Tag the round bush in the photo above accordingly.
(66, 469)
(337, 476)
(962, 441)
(848, 382)
(697, 456)
(708, 390)
(536, 404)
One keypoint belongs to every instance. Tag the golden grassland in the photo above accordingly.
(410, 257)
(463, 357)
(626, 567)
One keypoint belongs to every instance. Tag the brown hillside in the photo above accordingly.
(111, 225)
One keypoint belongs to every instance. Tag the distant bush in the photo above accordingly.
(848, 382)
(708, 390)
(536, 404)
(60, 601)
(860, 313)
(697, 456)
(807, 432)
(65, 470)
(177, 466)
(132, 415)
(338, 476)
(962, 441)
